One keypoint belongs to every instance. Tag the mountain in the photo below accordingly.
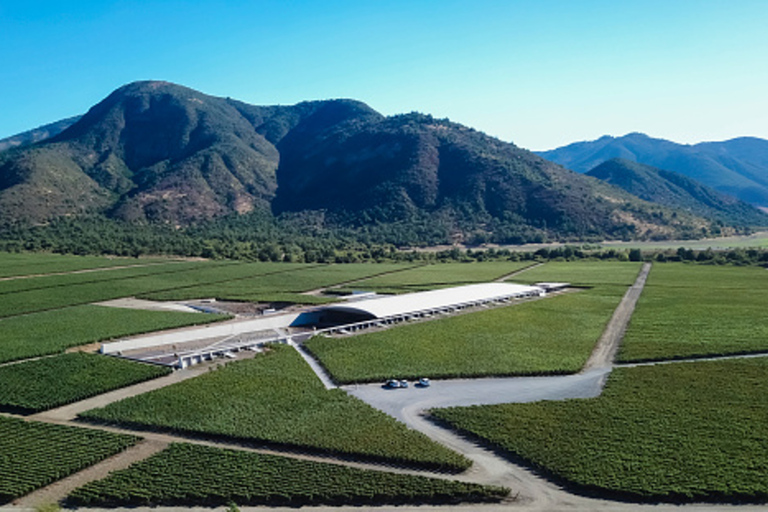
(737, 167)
(38, 134)
(675, 190)
(156, 152)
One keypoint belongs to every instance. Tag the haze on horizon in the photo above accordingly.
(540, 74)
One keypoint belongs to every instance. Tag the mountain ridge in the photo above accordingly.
(673, 189)
(737, 167)
(157, 152)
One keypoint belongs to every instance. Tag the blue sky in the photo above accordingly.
(538, 73)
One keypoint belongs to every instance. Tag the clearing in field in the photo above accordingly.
(548, 336)
(673, 432)
(187, 474)
(55, 381)
(583, 273)
(277, 399)
(52, 332)
(699, 310)
(33, 454)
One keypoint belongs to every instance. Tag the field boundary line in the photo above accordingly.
(607, 347)
(518, 271)
(86, 270)
(693, 359)
(319, 291)
(70, 411)
(313, 363)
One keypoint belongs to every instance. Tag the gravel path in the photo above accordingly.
(70, 412)
(84, 271)
(608, 344)
(59, 490)
(518, 271)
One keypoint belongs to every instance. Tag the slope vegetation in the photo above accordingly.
(738, 167)
(676, 190)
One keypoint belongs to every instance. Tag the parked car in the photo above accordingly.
(403, 383)
(392, 384)
(424, 382)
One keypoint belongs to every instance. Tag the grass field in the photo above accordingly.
(51, 332)
(699, 310)
(432, 276)
(276, 398)
(583, 273)
(33, 454)
(27, 263)
(54, 381)
(685, 431)
(285, 285)
(187, 474)
(551, 335)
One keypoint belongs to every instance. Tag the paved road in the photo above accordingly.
(487, 391)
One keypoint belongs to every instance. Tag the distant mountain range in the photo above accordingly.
(156, 152)
(737, 167)
(677, 191)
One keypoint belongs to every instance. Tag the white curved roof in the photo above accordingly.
(381, 307)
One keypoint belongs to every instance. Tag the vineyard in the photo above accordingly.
(583, 273)
(695, 310)
(33, 454)
(286, 285)
(54, 381)
(51, 332)
(31, 300)
(277, 399)
(198, 475)
(443, 274)
(549, 336)
(53, 282)
(24, 264)
(675, 432)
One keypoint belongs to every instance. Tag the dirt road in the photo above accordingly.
(608, 344)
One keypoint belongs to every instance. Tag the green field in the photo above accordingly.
(33, 454)
(685, 431)
(27, 263)
(62, 281)
(54, 381)
(699, 310)
(187, 474)
(51, 332)
(551, 335)
(441, 274)
(276, 398)
(285, 286)
(583, 273)
(52, 298)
